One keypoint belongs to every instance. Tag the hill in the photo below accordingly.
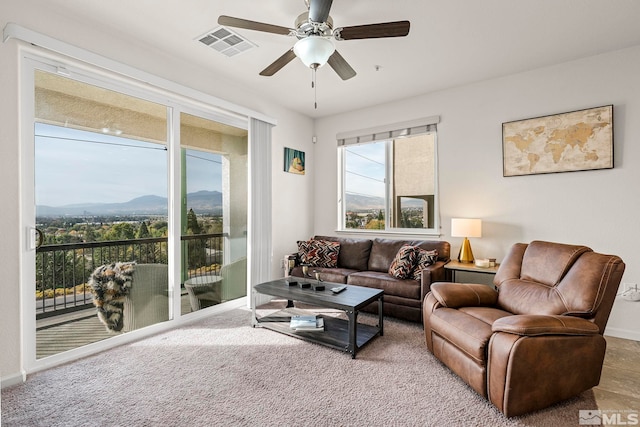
(202, 202)
(359, 203)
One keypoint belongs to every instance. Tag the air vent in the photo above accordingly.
(226, 41)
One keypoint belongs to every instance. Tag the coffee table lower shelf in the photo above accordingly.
(335, 334)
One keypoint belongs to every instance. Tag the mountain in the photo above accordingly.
(209, 202)
(202, 202)
(357, 202)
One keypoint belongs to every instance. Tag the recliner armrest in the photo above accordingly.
(454, 295)
(537, 324)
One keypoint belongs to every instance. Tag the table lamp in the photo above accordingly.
(466, 227)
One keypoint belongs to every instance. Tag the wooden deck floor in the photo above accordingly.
(62, 333)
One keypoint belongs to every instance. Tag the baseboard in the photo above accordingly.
(622, 333)
(262, 299)
(14, 379)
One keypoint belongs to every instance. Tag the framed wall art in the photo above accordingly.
(294, 161)
(574, 141)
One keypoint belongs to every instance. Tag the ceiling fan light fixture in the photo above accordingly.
(314, 51)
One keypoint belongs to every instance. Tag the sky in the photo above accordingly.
(365, 169)
(73, 166)
(79, 167)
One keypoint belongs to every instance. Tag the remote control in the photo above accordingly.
(338, 289)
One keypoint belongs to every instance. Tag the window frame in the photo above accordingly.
(372, 136)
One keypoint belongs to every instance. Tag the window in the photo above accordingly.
(389, 180)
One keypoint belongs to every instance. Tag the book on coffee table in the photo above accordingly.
(307, 323)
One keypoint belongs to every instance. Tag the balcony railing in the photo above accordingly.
(63, 271)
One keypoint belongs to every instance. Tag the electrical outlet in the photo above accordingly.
(631, 292)
(282, 263)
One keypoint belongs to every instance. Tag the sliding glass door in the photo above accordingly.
(214, 206)
(100, 186)
(107, 253)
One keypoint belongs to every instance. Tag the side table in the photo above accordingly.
(452, 267)
(204, 291)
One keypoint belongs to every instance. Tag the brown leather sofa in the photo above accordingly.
(537, 339)
(365, 262)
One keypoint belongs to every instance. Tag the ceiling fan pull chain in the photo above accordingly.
(315, 88)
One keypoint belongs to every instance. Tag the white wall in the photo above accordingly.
(9, 215)
(595, 208)
(293, 203)
(292, 200)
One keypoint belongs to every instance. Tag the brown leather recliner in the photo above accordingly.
(537, 339)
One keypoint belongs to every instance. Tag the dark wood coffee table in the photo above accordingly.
(347, 335)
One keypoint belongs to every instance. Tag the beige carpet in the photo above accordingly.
(223, 372)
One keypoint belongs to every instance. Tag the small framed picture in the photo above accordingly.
(293, 161)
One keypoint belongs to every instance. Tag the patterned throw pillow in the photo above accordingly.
(404, 262)
(319, 253)
(303, 248)
(423, 260)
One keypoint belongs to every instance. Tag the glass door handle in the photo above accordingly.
(36, 238)
(40, 236)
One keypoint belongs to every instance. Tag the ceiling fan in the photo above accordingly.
(314, 30)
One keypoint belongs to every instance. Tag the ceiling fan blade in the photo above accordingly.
(319, 10)
(373, 31)
(340, 66)
(279, 63)
(230, 21)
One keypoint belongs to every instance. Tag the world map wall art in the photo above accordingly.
(575, 141)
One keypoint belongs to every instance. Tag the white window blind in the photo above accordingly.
(413, 127)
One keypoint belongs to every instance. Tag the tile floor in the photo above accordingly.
(619, 388)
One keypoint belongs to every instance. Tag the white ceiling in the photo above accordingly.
(451, 42)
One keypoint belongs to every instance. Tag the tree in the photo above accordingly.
(196, 249)
(159, 228)
(143, 231)
(379, 222)
(146, 252)
(89, 234)
(192, 223)
(121, 231)
(374, 224)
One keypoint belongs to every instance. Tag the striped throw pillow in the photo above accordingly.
(404, 262)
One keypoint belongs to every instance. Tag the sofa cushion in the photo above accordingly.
(423, 260)
(547, 263)
(319, 253)
(441, 246)
(404, 262)
(333, 275)
(383, 251)
(354, 253)
(468, 332)
(406, 288)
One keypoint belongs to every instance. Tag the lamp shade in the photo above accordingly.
(466, 227)
(314, 51)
